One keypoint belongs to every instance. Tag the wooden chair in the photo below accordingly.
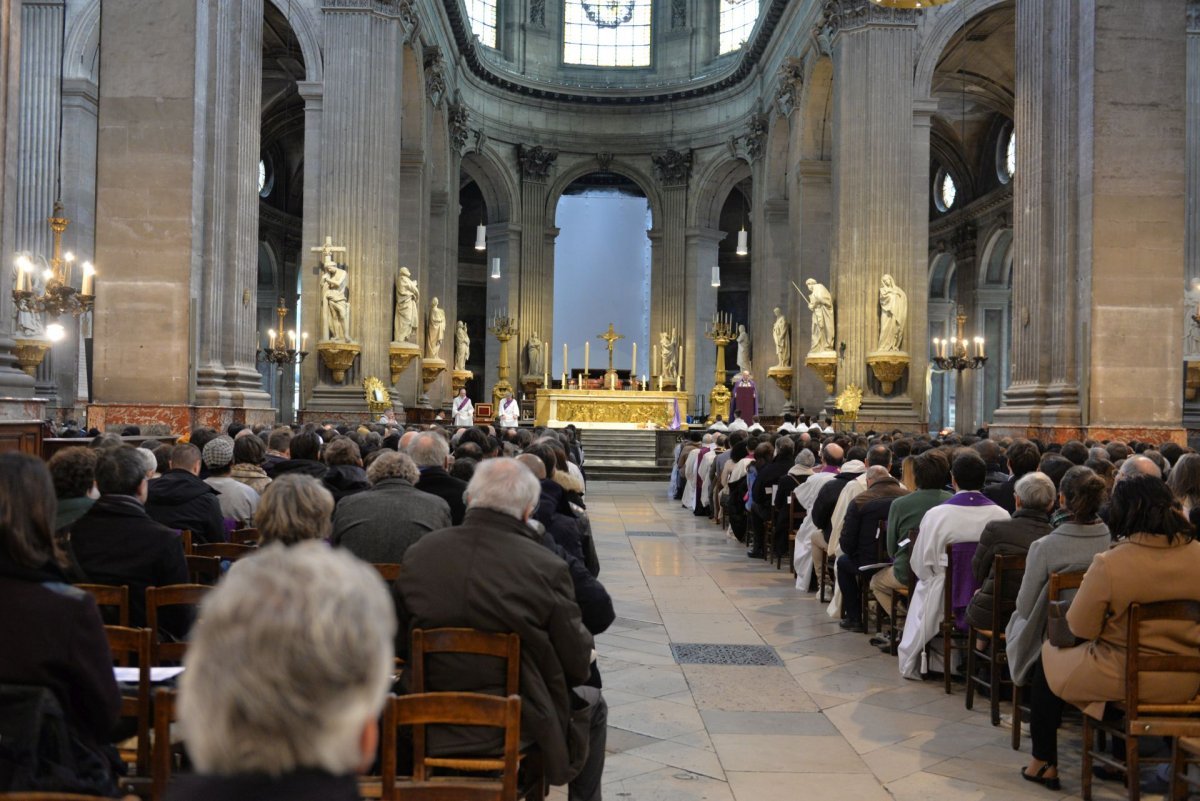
(185, 538)
(388, 571)
(825, 575)
(244, 536)
(866, 597)
(164, 752)
(171, 595)
(794, 522)
(107, 595)
(1007, 569)
(52, 797)
(454, 709)
(1060, 583)
(130, 646)
(226, 551)
(1186, 752)
(953, 638)
(203, 569)
(1143, 719)
(901, 597)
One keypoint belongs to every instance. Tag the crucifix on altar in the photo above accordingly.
(610, 336)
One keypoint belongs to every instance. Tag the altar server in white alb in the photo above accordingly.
(464, 410)
(510, 412)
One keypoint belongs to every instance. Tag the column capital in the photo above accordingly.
(847, 16)
(535, 162)
(704, 236)
(673, 167)
(311, 92)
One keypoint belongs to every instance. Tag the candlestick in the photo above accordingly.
(304, 340)
(271, 337)
(587, 352)
(633, 367)
(291, 338)
(89, 279)
(660, 382)
(681, 363)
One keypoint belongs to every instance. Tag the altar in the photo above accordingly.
(609, 409)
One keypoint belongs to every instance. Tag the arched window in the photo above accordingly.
(266, 178)
(737, 21)
(1008, 160)
(607, 33)
(945, 191)
(482, 14)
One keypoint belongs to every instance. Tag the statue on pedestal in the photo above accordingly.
(335, 305)
(462, 346)
(407, 296)
(820, 303)
(435, 331)
(668, 355)
(30, 324)
(534, 353)
(743, 350)
(782, 332)
(893, 314)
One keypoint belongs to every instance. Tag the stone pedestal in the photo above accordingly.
(338, 357)
(824, 364)
(888, 368)
(459, 379)
(782, 376)
(400, 356)
(30, 353)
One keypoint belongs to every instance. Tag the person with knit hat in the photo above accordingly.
(238, 501)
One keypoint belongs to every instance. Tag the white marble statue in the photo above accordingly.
(407, 296)
(893, 314)
(820, 303)
(1191, 330)
(462, 346)
(30, 324)
(535, 354)
(435, 331)
(335, 302)
(782, 332)
(743, 350)
(668, 354)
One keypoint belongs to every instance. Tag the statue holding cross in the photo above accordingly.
(335, 300)
(610, 336)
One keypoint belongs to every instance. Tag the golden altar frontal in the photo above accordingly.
(607, 408)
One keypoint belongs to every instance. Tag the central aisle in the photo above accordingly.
(833, 721)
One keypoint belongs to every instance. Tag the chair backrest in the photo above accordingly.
(1007, 569)
(1138, 661)
(203, 569)
(185, 537)
(454, 709)
(228, 551)
(466, 641)
(107, 595)
(170, 595)
(960, 583)
(388, 571)
(881, 554)
(244, 536)
(1062, 582)
(52, 797)
(164, 716)
(129, 646)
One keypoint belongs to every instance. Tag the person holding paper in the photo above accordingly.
(464, 410)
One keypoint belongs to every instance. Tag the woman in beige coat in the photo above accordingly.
(1154, 559)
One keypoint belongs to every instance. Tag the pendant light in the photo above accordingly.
(496, 267)
(743, 241)
(716, 276)
(481, 236)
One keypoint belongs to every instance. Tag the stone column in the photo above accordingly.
(313, 94)
(970, 382)
(1100, 228)
(1191, 409)
(16, 388)
(702, 244)
(443, 283)
(769, 289)
(535, 279)
(504, 241)
(413, 205)
(359, 197)
(872, 196)
(811, 219)
(669, 268)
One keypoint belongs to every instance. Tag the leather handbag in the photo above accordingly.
(1057, 631)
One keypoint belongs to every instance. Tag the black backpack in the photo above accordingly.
(38, 750)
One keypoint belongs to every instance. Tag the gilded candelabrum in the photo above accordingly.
(721, 332)
(59, 296)
(503, 328)
(283, 348)
(957, 353)
(30, 353)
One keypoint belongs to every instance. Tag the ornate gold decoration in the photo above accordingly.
(641, 412)
(430, 370)
(379, 399)
(58, 296)
(504, 328)
(459, 379)
(30, 353)
(782, 376)
(610, 337)
(1192, 381)
(848, 403)
(530, 385)
(400, 357)
(338, 357)
(824, 366)
(721, 332)
(888, 368)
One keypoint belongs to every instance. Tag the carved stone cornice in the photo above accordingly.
(750, 145)
(789, 81)
(458, 119)
(678, 14)
(840, 16)
(535, 162)
(998, 200)
(537, 13)
(406, 10)
(672, 167)
(435, 77)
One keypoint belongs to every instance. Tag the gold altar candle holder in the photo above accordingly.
(503, 328)
(720, 332)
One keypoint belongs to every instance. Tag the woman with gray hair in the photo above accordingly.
(294, 508)
(294, 714)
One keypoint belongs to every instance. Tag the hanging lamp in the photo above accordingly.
(481, 236)
(496, 267)
(716, 276)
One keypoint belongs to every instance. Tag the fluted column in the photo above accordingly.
(872, 190)
(443, 282)
(702, 244)
(668, 269)
(360, 188)
(1191, 409)
(504, 242)
(535, 277)
(769, 254)
(812, 216)
(313, 95)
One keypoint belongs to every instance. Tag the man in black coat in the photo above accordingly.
(860, 538)
(180, 499)
(305, 453)
(1023, 457)
(431, 454)
(116, 542)
(762, 494)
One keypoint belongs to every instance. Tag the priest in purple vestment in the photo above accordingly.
(745, 395)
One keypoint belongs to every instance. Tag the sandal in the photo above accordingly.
(1049, 782)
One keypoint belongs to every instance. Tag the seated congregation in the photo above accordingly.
(1051, 578)
(308, 627)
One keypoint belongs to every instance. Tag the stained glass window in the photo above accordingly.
(482, 14)
(607, 33)
(737, 21)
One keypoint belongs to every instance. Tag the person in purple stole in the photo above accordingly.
(745, 395)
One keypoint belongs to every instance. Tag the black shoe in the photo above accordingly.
(1050, 783)
(850, 625)
(754, 554)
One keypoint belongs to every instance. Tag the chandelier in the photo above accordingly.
(277, 352)
(57, 296)
(959, 353)
(609, 14)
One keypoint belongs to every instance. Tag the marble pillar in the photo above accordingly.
(504, 242)
(874, 219)
(769, 289)
(669, 270)
(1099, 231)
(308, 374)
(413, 206)
(1191, 409)
(702, 244)
(535, 277)
(358, 201)
(443, 282)
(811, 222)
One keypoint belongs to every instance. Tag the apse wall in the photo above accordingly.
(601, 275)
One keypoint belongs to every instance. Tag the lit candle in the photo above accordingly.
(633, 367)
(982, 355)
(681, 363)
(304, 340)
(566, 369)
(291, 338)
(271, 337)
(89, 279)
(587, 352)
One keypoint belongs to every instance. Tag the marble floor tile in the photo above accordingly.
(746, 688)
(787, 753)
(791, 786)
(678, 755)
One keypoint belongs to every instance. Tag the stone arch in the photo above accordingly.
(496, 183)
(310, 45)
(775, 159)
(713, 188)
(995, 268)
(939, 34)
(622, 168)
(942, 268)
(815, 132)
(81, 53)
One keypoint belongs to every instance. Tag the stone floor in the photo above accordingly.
(833, 719)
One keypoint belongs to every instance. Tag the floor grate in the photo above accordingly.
(649, 533)
(697, 653)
